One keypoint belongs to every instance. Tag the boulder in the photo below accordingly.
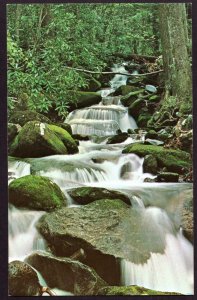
(174, 160)
(132, 290)
(150, 164)
(85, 195)
(22, 117)
(125, 90)
(167, 177)
(94, 85)
(65, 137)
(66, 274)
(136, 107)
(65, 126)
(22, 280)
(118, 138)
(107, 230)
(128, 99)
(85, 99)
(13, 130)
(40, 139)
(36, 192)
(151, 134)
(143, 119)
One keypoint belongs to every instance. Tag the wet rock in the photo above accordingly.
(81, 137)
(125, 90)
(131, 290)
(66, 274)
(150, 88)
(167, 177)
(107, 230)
(22, 280)
(118, 138)
(36, 192)
(22, 117)
(154, 98)
(136, 107)
(13, 130)
(85, 195)
(130, 98)
(40, 139)
(174, 160)
(150, 164)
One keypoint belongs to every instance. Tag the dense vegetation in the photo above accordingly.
(43, 39)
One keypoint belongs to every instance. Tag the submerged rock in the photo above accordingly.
(131, 290)
(39, 139)
(22, 280)
(107, 230)
(85, 195)
(66, 274)
(174, 160)
(22, 117)
(36, 192)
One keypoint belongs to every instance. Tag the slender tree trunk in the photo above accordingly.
(174, 41)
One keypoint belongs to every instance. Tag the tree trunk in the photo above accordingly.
(174, 41)
(17, 24)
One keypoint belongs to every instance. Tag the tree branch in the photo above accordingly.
(112, 73)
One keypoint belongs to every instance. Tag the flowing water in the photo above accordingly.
(103, 165)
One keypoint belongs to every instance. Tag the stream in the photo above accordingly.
(100, 164)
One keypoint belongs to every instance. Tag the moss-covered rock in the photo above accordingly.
(174, 160)
(22, 280)
(167, 177)
(36, 192)
(151, 134)
(66, 274)
(131, 97)
(136, 107)
(85, 195)
(65, 126)
(154, 98)
(22, 117)
(65, 137)
(39, 139)
(143, 119)
(150, 164)
(125, 90)
(94, 85)
(130, 291)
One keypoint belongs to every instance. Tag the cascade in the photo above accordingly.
(99, 164)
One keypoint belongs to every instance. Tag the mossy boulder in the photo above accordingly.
(22, 280)
(65, 126)
(107, 230)
(66, 274)
(13, 130)
(143, 119)
(173, 160)
(150, 164)
(151, 134)
(132, 290)
(136, 107)
(22, 117)
(154, 98)
(36, 192)
(94, 85)
(167, 177)
(85, 195)
(65, 137)
(131, 97)
(85, 99)
(40, 139)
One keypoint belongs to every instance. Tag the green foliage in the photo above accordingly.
(44, 38)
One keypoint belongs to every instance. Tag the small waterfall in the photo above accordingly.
(107, 117)
(17, 169)
(23, 236)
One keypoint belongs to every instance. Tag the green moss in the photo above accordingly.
(35, 192)
(173, 160)
(22, 117)
(131, 290)
(30, 142)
